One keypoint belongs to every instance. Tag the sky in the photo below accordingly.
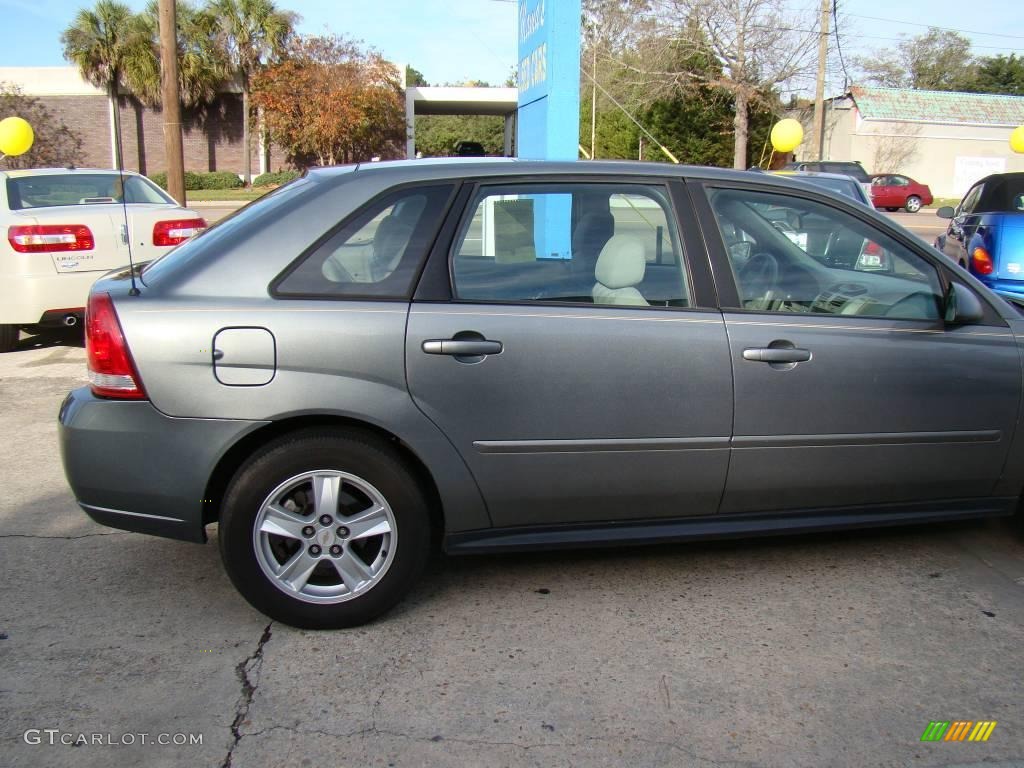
(451, 41)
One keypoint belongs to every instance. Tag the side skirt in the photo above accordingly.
(531, 538)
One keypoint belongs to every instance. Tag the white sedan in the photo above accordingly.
(65, 228)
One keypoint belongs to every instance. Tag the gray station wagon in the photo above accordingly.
(497, 355)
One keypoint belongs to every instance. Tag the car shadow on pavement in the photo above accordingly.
(52, 337)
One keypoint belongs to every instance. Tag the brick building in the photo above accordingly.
(212, 137)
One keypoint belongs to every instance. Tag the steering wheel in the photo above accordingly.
(759, 276)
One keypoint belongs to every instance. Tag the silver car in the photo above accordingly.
(499, 355)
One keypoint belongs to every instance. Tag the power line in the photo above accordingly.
(932, 26)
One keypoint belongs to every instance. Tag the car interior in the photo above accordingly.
(620, 249)
(795, 255)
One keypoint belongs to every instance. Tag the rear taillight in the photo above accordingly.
(872, 248)
(48, 238)
(176, 231)
(111, 370)
(981, 262)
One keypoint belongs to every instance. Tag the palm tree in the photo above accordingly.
(251, 31)
(103, 42)
(202, 62)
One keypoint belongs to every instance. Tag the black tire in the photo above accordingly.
(362, 455)
(913, 204)
(8, 338)
(890, 209)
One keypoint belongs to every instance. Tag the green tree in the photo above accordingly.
(938, 60)
(999, 74)
(437, 135)
(253, 33)
(104, 42)
(413, 77)
(55, 144)
(203, 66)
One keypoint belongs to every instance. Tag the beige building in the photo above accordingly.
(943, 139)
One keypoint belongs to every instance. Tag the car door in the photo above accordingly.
(582, 376)
(883, 193)
(850, 388)
(961, 227)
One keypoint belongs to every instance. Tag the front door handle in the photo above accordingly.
(462, 347)
(777, 355)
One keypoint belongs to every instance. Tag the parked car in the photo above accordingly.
(893, 191)
(985, 234)
(66, 227)
(505, 355)
(845, 167)
(469, 149)
(834, 182)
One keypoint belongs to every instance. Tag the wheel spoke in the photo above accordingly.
(369, 522)
(325, 494)
(282, 522)
(296, 572)
(352, 570)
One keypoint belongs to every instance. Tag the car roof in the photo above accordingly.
(816, 174)
(496, 167)
(19, 173)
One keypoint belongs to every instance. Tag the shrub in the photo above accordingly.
(194, 181)
(276, 179)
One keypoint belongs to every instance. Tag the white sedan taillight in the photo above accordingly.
(50, 238)
(176, 231)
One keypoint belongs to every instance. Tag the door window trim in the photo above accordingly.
(726, 282)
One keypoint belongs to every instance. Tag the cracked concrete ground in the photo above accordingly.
(815, 651)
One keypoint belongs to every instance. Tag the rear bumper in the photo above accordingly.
(132, 467)
(24, 299)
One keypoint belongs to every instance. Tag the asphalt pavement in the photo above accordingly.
(827, 650)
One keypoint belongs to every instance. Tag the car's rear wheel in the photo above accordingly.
(913, 204)
(8, 337)
(323, 530)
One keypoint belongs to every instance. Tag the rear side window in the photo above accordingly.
(51, 190)
(377, 254)
(609, 244)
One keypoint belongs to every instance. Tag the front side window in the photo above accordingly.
(970, 200)
(375, 255)
(608, 244)
(791, 254)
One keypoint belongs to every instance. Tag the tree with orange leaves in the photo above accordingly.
(328, 102)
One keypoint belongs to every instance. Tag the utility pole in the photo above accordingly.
(171, 100)
(819, 95)
(593, 102)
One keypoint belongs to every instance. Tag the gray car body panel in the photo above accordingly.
(354, 359)
(134, 467)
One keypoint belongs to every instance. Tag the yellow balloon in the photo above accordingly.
(1017, 139)
(16, 136)
(787, 135)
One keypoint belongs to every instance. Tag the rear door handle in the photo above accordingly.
(777, 355)
(462, 347)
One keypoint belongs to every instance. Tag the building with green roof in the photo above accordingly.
(947, 140)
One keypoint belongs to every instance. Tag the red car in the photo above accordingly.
(892, 192)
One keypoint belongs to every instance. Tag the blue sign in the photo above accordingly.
(549, 80)
(548, 118)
